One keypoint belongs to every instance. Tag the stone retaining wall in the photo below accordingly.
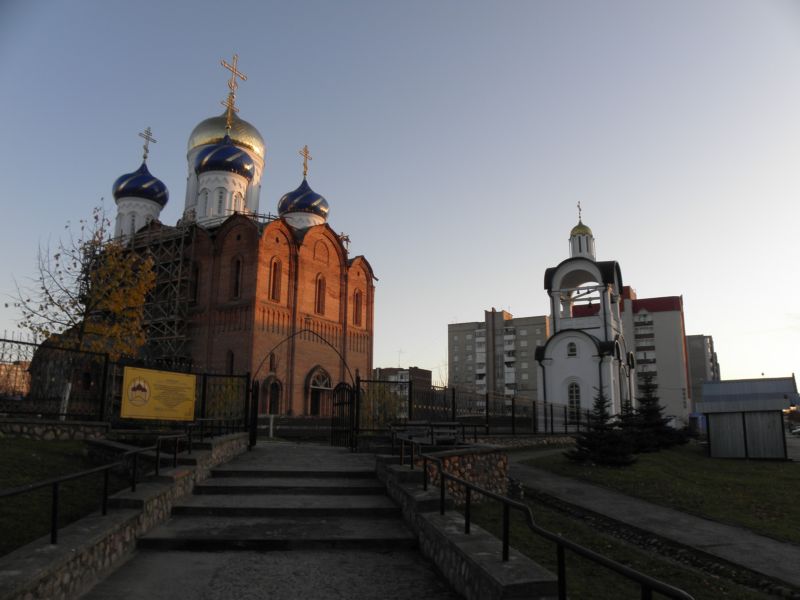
(486, 467)
(92, 547)
(43, 429)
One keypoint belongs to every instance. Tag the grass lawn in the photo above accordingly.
(763, 496)
(26, 517)
(588, 580)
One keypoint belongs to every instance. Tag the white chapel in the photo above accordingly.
(587, 351)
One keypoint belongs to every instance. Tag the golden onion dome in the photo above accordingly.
(580, 229)
(212, 131)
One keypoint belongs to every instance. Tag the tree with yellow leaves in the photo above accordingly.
(90, 293)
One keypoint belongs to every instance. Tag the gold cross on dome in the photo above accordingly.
(579, 210)
(230, 104)
(147, 134)
(306, 157)
(232, 83)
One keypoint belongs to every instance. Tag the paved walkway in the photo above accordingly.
(779, 560)
(284, 521)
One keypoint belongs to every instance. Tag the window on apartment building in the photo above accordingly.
(523, 332)
(469, 336)
(525, 376)
(523, 365)
(455, 338)
(538, 331)
(572, 349)
(523, 344)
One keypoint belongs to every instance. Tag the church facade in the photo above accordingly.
(277, 297)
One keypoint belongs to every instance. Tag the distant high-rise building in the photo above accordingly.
(703, 365)
(497, 354)
(419, 378)
(656, 328)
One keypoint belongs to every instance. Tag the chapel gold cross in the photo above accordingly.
(306, 157)
(147, 134)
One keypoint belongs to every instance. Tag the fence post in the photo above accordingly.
(566, 420)
(513, 415)
(410, 399)
(487, 413)
(246, 413)
(253, 413)
(103, 388)
(203, 397)
(356, 413)
(453, 403)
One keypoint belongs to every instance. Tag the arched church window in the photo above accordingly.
(572, 349)
(319, 298)
(202, 208)
(236, 277)
(574, 400)
(220, 200)
(275, 280)
(132, 224)
(357, 307)
(318, 395)
(237, 202)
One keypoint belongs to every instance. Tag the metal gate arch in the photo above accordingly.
(344, 417)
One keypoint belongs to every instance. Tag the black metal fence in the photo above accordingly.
(384, 402)
(46, 381)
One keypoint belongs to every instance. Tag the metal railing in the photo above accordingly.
(55, 482)
(214, 427)
(647, 584)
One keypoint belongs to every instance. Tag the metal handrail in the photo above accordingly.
(218, 426)
(648, 584)
(54, 482)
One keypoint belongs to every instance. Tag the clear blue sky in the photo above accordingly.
(452, 139)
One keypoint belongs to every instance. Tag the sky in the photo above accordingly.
(452, 139)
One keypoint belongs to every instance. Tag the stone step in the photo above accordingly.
(203, 533)
(273, 505)
(290, 485)
(354, 473)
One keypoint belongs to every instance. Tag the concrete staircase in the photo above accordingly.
(319, 500)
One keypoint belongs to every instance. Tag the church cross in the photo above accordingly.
(230, 102)
(147, 134)
(579, 210)
(306, 157)
(232, 83)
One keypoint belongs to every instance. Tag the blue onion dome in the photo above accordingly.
(303, 199)
(141, 184)
(225, 156)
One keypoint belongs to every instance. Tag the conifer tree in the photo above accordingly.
(603, 443)
(652, 432)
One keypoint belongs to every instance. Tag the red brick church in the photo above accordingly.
(275, 296)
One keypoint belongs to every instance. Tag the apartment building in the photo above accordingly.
(496, 354)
